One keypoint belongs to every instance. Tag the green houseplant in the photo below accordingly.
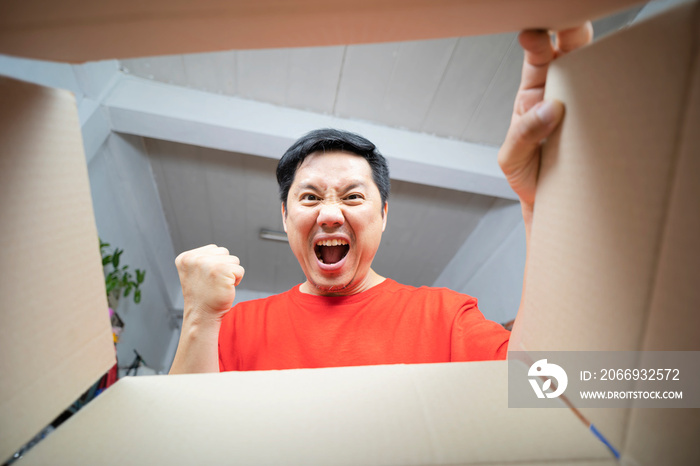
(119, 281)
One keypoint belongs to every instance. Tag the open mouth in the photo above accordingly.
(331, 251)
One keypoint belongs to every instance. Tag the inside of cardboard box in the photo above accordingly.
(92, 31)
(412, 414)
(430, 397)
(45, 194)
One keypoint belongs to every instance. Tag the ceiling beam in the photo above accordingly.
(150, 109)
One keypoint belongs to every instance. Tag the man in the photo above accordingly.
(334, 213)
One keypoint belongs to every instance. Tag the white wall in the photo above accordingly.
(129, 216)
(490, 264)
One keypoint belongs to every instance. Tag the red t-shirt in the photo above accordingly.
(388, 324)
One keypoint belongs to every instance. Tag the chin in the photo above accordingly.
(328, 286)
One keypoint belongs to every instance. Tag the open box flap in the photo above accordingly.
(604, 188)
(614, 258)
(417, 414)
(55, 335)
(674, 318)
(71, 251)
(91, 30)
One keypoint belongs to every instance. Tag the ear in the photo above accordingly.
(284, 218)
(385, 212)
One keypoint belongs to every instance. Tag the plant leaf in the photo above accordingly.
(137, 296)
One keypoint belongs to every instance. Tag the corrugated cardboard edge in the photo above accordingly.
(90, 30)
(55, 336)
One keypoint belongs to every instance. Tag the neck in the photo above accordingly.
(370, 280)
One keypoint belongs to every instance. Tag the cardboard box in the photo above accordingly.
(54, 326)
(614, 261)
(613, 265)
(86, 30)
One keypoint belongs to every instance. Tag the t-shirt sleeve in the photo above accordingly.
(476, 339)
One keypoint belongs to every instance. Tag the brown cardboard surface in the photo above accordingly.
(54, 326)
(614, 254)
(663, 436)
(86, 30)
(415, 414)
(670, 436)
(674, 320)
(603, 190)
(612, 266)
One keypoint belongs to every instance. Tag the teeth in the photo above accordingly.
(332, 242)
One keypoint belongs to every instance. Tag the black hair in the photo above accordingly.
(328, 140)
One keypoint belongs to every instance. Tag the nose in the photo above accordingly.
(330, 215)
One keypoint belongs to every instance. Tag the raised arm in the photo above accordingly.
(209, 276)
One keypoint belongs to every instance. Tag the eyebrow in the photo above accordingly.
(308, 186)
(354, 185)
(350, 187)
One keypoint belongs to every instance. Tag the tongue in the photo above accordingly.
(332, 254)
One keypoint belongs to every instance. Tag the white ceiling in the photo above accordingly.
(461, 88)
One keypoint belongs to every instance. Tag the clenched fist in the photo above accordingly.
(209, 276)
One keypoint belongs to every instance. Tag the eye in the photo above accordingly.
(309, 197)
(354, 197)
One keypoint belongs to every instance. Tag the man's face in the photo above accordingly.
(334, 221)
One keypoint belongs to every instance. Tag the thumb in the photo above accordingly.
(537, 123)
(519, 154)
(526, 132)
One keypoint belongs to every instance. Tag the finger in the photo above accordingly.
(528, 98)
(200, 249)
(571, 39)
(531, 128)
(219, 251)
(540, 121)
(539, 52)
(231, 260)
(238, 273)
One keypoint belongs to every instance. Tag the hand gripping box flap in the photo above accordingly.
(55, 337)
(90, 30)
(614, 256)
(377, 415)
